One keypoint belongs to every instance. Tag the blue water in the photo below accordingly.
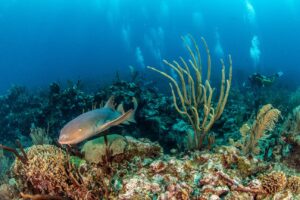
(57, 40)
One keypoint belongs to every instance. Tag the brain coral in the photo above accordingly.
(46, 172)
(274, 182)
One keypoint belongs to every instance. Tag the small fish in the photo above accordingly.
(95, 122)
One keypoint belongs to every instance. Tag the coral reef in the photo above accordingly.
(19, 109)
(51, 171)
(188, 160)
(4, 165)
(291, 127)
(128, 168)
(294, 98)
(291, 135)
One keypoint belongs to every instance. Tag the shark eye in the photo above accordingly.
(80, 130)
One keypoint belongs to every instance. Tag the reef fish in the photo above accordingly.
(95, 122)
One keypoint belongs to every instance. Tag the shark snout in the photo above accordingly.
(63, 139)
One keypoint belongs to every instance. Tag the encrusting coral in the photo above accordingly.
(196, 94)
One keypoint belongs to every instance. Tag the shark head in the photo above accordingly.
(77, 130)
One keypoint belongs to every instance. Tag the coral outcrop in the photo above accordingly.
(123, 148)
(46, 172)
(274, 182)
(293, 184)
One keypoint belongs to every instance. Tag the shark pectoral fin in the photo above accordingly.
(117, 121)
(130, 119)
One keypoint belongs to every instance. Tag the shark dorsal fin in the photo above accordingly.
(110, 103)
(120, 108)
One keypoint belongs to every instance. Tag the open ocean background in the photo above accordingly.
(59, 40)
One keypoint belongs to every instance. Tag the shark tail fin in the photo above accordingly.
(131, 118)
(120, 108)
(110, 103)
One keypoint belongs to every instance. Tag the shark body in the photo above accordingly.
(95, 122)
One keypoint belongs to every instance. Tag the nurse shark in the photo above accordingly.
(95, 122)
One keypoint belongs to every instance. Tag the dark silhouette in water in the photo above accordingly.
(258, 82)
